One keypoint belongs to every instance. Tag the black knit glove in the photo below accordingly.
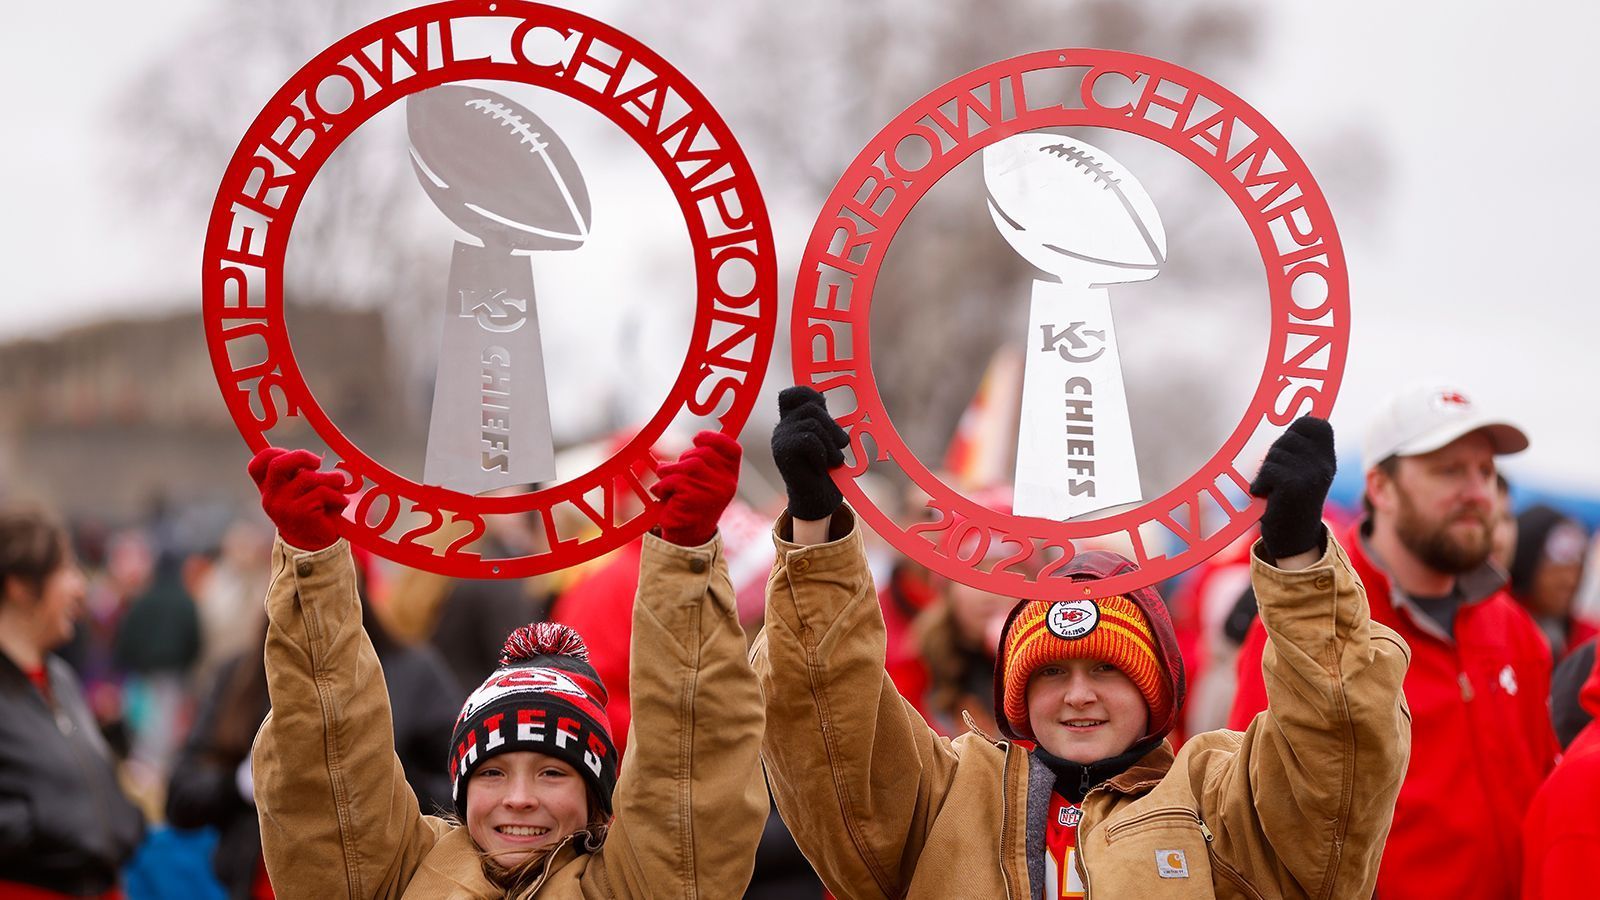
(806, 444)
(1294, 480)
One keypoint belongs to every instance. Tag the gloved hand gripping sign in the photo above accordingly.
(499, 173)
(1088, 225)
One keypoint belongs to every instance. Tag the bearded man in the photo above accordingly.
(1480, 670)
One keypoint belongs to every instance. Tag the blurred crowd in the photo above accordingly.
(145, 641)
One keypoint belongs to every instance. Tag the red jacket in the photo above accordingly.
(1481, 740)
(1561, 838)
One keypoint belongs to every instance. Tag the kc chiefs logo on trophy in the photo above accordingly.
(517, 193)
(1091, 231)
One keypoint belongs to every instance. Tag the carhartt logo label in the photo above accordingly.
(1171, 864)
(1072, 619)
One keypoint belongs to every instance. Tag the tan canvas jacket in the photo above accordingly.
(1297, 806)
(339, 821)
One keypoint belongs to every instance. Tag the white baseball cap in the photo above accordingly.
(1424, 417)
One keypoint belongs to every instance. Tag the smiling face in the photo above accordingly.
(520, 803)
(1085, 710)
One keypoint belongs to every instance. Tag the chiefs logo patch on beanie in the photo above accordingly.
(544, 698)
(537, 680)
(1072, 619)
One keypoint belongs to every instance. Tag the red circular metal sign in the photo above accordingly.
(597, 65)
(1308, 293)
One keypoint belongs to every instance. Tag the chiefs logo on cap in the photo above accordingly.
(1071, 619)
(509, 681)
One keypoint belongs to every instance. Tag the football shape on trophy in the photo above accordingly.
(1071, 210)
(496, 170)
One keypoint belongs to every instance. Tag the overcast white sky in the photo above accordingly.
(1472, 271)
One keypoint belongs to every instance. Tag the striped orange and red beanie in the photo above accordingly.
(1111, 629)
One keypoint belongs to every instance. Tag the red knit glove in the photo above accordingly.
(697, 488)
(305, 504)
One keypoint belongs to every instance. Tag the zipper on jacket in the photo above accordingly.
(1080, 845)
(1005, 822)
(1232, 874)
(1220, 865)
(1166, 812)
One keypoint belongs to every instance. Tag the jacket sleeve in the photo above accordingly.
(337, 817)
(856, 772)
(690, 803)
(1304, 807)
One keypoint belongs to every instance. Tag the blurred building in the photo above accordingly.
(105, 419)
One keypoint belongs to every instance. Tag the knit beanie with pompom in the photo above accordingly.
(545, 697)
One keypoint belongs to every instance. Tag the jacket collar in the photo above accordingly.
(1074, 780)
(14, 681)
(1476, 586)
(454, 867)
(457, 862)
(1144, 774)
(564, 852)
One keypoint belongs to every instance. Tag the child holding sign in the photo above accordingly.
(1086, 795)
(542, 807)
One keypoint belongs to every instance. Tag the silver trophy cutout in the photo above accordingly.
(501, 175)
(1078, 216)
